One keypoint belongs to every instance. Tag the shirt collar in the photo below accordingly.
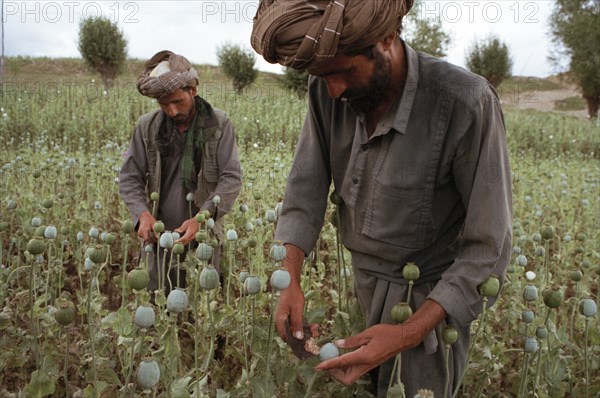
(397, 116)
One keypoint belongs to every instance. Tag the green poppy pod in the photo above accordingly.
(527, 316)
(588, 307)
(154, 196)
(97, 254)
(541, 332)
(252, 284)
(178, 248)
(159, 227)
(65, 314)
(36, 246)
(547, 232)
(410, 272)
(490, 287)
(138, 278)
(148, 374)
(531, 345)
(335, 198)
(204, 251)
(401, 312)
(177, 300)
(449, 335)
(144, 316)
(209, 278)
(278, 252)
(280, 279)
(127, 226)
(530, 293)
(576, 275)
(552, 298)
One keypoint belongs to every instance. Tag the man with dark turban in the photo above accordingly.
(416, 150)
(186, 153)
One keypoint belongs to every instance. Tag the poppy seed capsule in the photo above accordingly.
(50, 232)
(530, 293)
(547, 232)
(97, 254)
(36, 222)
(200, 218)
(178, 248)
(109, 239)
(47, 203)
(216, 199)
(252, 284)
(244, 275)
(541, 332)
(189, 197)
(410, 272)
(449, 335)
(401, 312)
(280, 279)
(166, 240)
(159, 227)
(138, 278)
(244, 208)
(271, 216)
(521, 260)
(530, 345)
(154, 196)
(335, 198)
(127, 226)
(204, 251)
(209, 278)
(588, 308)
(278, 252)
(210, 223)
(576, 275)
(552, 298)
(490, 287)
(65, 314)
(148, 374)
(328, 351)
(177, 300)
(93, 233)
(39, 231)
(35, 246)
(144, 316)
(527, 316)
(231, 235)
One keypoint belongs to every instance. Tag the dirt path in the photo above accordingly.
(527, 97)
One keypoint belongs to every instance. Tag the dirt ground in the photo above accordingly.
(527, 97)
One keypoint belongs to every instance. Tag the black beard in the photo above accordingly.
(367, 99)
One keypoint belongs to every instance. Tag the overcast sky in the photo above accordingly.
(195, 28)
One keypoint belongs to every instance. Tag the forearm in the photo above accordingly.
(424, 320)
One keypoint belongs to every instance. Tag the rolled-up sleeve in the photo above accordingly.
(132, 177)
(308, 183)
(230, 172)
(481, 172)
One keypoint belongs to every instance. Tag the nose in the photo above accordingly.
(335, 86)
(171, 110)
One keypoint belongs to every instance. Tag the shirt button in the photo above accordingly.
(355, 180)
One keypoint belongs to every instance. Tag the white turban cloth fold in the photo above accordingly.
(164, 73)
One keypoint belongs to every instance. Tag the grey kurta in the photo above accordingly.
(431, 186)
(173, 208)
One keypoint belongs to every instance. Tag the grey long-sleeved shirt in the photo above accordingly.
(432, 184)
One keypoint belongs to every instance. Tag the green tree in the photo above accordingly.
(295, 81)
(575, 28)
(103, 47)
(490, 59)
(237, 64)
(424, 33)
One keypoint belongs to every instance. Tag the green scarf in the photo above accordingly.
(193, 143)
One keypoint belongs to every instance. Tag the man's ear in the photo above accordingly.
(386, 42)
(194, 91)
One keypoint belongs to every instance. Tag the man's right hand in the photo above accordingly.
(291, 300)
(146, 227)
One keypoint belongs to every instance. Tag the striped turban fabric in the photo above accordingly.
(164, 73)
(303, 33)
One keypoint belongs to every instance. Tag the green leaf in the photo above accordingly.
(315, 315)
(40, 385)
(179, 387)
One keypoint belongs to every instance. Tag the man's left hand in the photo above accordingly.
(187, 230)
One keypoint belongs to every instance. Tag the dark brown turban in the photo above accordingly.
(303, 33)
(166, 72)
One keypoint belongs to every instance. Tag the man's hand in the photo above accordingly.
(146, 227)
(381, 342)
(291, 300)
(187, 230)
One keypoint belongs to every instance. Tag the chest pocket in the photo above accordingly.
(210, 166)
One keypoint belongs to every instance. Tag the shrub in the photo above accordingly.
(491, 60)
(238, 65)
(295, 81)
(103, 48)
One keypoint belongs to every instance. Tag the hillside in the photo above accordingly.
(520, 92)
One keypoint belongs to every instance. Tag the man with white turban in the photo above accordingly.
(416, 150)
(186, 152)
